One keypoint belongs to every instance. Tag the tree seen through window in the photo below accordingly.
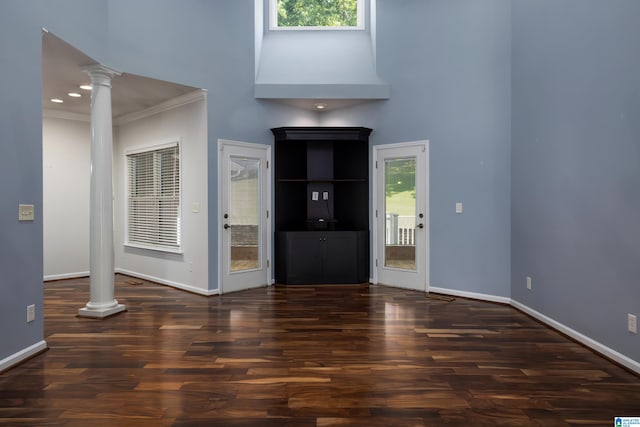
(317, 13)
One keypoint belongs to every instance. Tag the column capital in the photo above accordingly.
(100, 74)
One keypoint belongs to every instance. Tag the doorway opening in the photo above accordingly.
(145, 113)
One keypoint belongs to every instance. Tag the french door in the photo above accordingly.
(401, 216)
(244, 225)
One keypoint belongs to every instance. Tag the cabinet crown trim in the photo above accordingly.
(316, 133)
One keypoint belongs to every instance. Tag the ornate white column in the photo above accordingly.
(102, 302)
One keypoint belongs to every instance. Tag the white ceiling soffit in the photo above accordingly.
(62, 66)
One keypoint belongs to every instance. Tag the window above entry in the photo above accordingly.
(316, 14)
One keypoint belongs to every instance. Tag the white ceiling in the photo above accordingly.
(62, 66)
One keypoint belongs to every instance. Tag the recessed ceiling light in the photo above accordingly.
(85, 87)
(320, 106)
(74, 94)
(57, 100)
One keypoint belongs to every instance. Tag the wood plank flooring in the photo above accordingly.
(306, 356)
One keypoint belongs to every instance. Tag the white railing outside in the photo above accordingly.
(401, 230)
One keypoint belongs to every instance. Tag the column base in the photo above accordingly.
(102, 312)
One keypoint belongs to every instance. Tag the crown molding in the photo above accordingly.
(179, 101)
(65, 115)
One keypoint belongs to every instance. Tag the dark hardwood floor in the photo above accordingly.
(306, 356)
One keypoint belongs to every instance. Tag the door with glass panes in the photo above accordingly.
(401, 215)
(244, 229)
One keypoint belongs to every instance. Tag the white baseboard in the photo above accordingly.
(176, 285)
(22, 355)
(79, 274)
(623, 360)
(472, 295)
(583, 339)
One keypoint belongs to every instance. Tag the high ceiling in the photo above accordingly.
(62, 66)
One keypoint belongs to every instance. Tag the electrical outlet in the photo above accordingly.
(529, 282)
(325, 195)
(632, 323)
(31, 313)
(459, 207)
(314, 195)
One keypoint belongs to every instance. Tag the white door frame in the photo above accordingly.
(268, 185)
(374, 201)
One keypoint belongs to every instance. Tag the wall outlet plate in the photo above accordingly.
(26, 212)
(529, 282)
(31, 313)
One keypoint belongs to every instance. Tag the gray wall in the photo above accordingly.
(448, 63)
(206, 44)
(576, 164)
(21, 154)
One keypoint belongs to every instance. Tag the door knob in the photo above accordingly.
(421, 225)
(227, 226)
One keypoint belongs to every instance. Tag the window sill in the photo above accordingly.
(317, 28)
(154, 248)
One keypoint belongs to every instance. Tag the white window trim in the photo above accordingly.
(169, 143)
(273, 20)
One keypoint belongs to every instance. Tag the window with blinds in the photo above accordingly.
(153, 205)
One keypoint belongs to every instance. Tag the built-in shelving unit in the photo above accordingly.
(322, 204)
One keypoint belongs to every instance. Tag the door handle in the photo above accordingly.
(420, 225)
(226, 226)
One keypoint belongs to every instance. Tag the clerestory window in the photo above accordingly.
(316, 14)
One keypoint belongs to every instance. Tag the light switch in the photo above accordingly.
(325, 195)
(26, 213)
(314, 195)
(458, 207)
(195, 207)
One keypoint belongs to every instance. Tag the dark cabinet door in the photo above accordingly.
(321, 257)
(304, 255)
(340, 257)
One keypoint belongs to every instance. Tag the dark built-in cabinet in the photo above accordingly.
(322, 204)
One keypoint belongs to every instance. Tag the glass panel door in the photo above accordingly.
(402, 215)
(244, 233)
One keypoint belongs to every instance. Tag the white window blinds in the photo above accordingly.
(153, 214)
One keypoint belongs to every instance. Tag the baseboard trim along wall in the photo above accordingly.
(22, 355)
(77, 275)
(176, 285)
(583, 339)
(600, 348)
(472, 295)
